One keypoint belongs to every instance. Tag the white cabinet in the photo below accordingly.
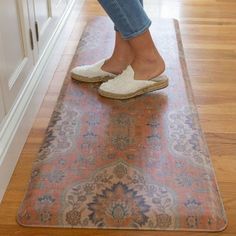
(26, 27)
(16, 59)
(33, 34)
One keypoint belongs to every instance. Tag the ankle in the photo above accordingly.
(115, 65)
(124, 55)
(148, 68)
(112, 67)
(118, 62)
(150, 61)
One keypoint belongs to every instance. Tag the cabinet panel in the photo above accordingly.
(16, 57)
(11, 34)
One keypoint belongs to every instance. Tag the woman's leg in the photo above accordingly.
(147, 62)
(133, 27)
(122, 55)
(129, 16)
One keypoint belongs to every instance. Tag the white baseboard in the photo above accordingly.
(16, 126)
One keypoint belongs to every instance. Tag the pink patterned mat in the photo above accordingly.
(134, 164)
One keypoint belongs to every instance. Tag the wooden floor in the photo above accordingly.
(209, 35)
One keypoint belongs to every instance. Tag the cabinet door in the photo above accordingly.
(44, 16)
(42, 21)
(16, 58)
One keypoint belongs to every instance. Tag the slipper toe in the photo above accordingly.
(91, 73)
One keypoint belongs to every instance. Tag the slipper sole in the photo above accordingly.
(89, 79)
(157, 86)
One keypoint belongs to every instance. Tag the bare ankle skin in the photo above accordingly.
(121, 57)
(139, 52)
(147, 68)
(147, 62)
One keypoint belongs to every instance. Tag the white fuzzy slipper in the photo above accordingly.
(91, 73)
(124, 86)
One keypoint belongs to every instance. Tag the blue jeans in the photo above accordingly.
(128, 16)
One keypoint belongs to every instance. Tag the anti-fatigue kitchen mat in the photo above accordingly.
(140, 163)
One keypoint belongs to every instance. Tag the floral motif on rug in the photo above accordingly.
(119, 196)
